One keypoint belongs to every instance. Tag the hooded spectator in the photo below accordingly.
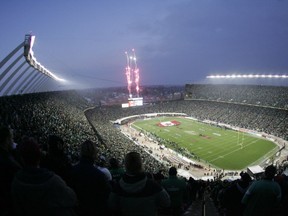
(135, 194)
(37, 191)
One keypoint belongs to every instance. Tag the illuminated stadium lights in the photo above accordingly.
(30, 58)
(57, 78)
(233, 76)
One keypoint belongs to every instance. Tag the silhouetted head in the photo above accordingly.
(245, 177)
(172, 171)
(270, 172)
(114, 164)
(133, 163)
(6, 138)
(88, 150)
(30, 152)
(244, 180)
(55, 144)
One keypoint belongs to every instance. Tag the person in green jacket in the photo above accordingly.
(177, 189)
(115, 169)
(263, 196)
(135, 194)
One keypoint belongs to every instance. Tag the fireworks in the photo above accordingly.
(132, 73)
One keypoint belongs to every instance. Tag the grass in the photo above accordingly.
(225, 149)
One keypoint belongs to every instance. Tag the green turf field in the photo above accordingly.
(225, 149)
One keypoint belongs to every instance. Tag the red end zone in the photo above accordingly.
(168, 123)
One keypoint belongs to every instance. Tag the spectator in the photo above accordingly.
(135, 194)
(63, 113)
(233, 195)
(159, 176)
(8, 167)
(56, 160)
(263, 196)
(102, 168)
(89, 183)
(115, 169)
(282, 180)
(37, 191)
(177, 189)
(193, 188)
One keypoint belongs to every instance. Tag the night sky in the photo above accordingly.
(176, 41)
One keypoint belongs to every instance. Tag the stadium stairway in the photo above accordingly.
(209, 207)
(195, 209)
(203, 207)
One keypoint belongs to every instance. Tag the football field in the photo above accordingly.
(219, 147)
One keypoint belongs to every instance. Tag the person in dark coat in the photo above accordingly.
(90, 184)
(55, 160)
(232, 196)
(38, 191)
(8, 168)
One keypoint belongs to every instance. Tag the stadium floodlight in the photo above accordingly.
(249, 76)
(57, 78)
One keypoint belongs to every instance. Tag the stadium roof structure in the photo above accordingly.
(21, 73)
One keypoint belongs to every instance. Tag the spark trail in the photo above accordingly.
(132, 73)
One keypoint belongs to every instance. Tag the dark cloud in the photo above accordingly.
(201, 37)
(175, 41)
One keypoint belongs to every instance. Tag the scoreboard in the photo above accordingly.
(133, 102)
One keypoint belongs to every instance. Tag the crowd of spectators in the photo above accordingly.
(43, 114)
(272, 96)
(261, 119)
(66, 120)
(266, 195)
(29, 187)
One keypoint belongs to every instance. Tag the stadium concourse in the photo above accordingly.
(78, 116)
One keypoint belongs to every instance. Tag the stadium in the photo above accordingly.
(208, 131)
(246, 118)
(268, 121)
